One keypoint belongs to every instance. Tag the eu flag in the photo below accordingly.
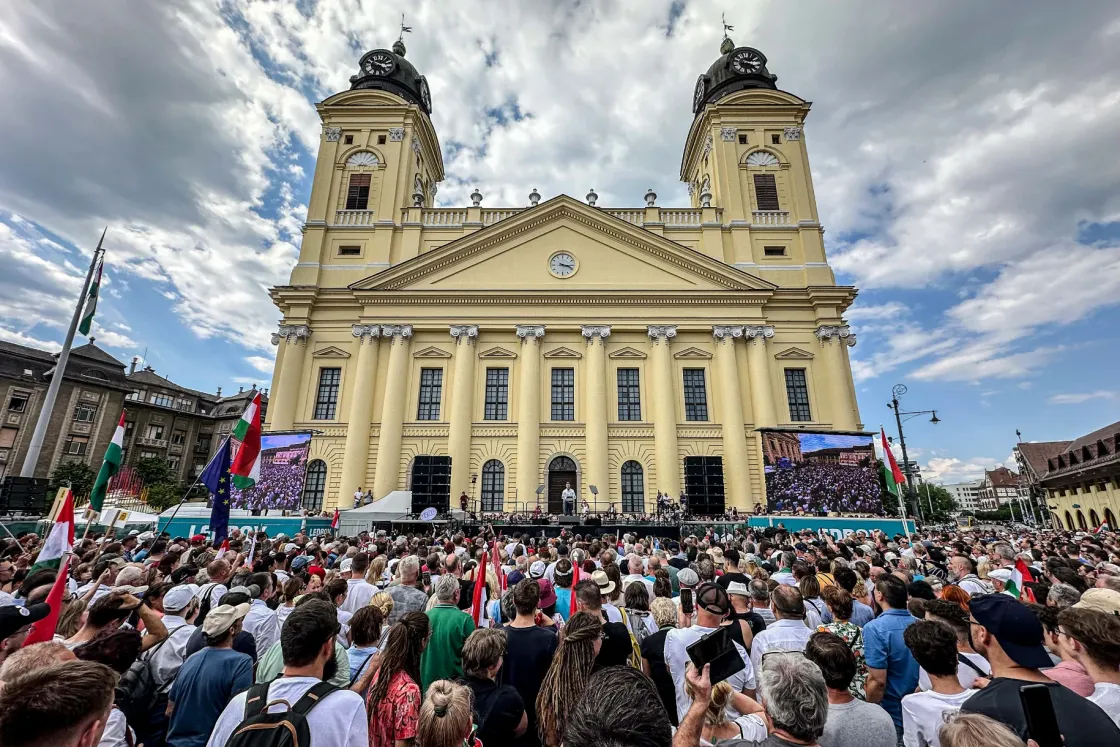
(216, 479)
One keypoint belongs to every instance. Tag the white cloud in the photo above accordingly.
(1076, 398)
(262, 364)
(949, 470)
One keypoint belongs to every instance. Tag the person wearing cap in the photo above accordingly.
(712, 607)
(746, 623)
(179, 611)
(688, 579)
(15, 624)
(999, 578)
(1093, 636)
(209, 679)
(104, 578)
(1009, 635)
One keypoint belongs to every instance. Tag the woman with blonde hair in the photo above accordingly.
(375, 574)
(293, 587)
(384, 603)
(976, 730)
(567, 676)
(717, 726)
(653, 654)
(446, 718)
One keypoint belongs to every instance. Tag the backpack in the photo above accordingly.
(284, 729)
(204, 607)
(635, 659)
(136, 691)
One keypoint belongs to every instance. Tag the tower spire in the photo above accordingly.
(726, 45)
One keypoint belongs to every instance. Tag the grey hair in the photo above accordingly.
(445, 587)
(791, 689)
(1004, 550)
(1063, 596)
(409, 567)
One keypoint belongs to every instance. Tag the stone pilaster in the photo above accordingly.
(834, 339)
(662, 373)
(595, 418)
(462, 408)
(529, 413)
(387, 470)
(285, 395)
(355, 457)
(731, 417)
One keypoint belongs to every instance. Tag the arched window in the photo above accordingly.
(1069, 521)
(493, 486)
(633, 488)
(314, 486)
(764, 167)
(1094, 519)
(1110, 518)
(1081, 520)
(360, 180)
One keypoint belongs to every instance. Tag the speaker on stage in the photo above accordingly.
(540, 522)
(568, 520)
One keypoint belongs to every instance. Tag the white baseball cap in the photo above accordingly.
(177, 598)
(346, 565)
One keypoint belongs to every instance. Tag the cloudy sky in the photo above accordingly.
(964, 157)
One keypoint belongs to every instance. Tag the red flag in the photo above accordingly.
(575, 580)
(896, 473)
(479, 585)
(222, 550)
(1028, 577)
(43, 631)
(334, 521)
(497, 561)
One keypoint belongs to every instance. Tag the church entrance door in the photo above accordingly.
(561, 470)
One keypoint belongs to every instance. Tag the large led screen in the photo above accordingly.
(821, 472)
(283, 469)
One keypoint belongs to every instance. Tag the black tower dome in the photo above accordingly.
(739, 68)
(390, 71)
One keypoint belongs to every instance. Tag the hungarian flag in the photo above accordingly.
(479, 600)
(1101, 529)
(890, 468)
(246, 467)
(334, 521)
(109, 467)
(43, 631)
(60, 540)
(575, 580)
(496, 561)
(91, 299)
(1019, 575)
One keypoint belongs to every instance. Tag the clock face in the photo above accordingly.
(562, 265)
(425, 94)
(698, 95)
(746, 61)
(380, 63)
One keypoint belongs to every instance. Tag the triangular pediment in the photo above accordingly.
(628, 354)
(606, 253)
(692, 354)
(794, 354)
(431, 352)
(563, 353)
(330, 352)
(498, 353)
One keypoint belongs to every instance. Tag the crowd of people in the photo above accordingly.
(815, 488)
(279, 488)
(446, 640)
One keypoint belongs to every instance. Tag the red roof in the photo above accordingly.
(1002, 477)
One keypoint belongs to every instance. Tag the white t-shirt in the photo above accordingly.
(923, 714)
(338, 721)
(116, 731)
(676, 659)
(358, 594)
(966, 675)
(263, 624)
(613, 615)
(1107, 696)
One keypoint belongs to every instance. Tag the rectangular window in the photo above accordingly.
(178, 438)
(349, 251)
(797, 392)
(186, 405)
(18, 402)
(563, 394)
(629, 396)
(497, 394)
(348, 140)
(774, 251)
(326, 399)
(154, 431)
(742, 140)
(357, 196)
(695, 395)
(173, 463)
(84, 414)
(76, 445)
(431, 389)
(138, 396)
(163, 400)
(775, 139)
(203, 444)
(8, 437)
(766, 192)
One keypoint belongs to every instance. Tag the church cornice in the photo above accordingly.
(566, 298)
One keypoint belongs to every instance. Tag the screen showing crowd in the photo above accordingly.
(821, 472)
(283, 471)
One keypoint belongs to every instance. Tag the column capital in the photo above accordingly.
(591, 331)
(758, 332)
(841, 333)
(366, 331)
(291, 333)
(657, 332)
(726, 332)
(464, 333)
(393, 331)
(530, 332)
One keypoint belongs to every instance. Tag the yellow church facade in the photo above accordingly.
(506, 352)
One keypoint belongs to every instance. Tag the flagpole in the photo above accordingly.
(39, 435)
(184, 498)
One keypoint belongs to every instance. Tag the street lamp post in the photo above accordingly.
(899, 416)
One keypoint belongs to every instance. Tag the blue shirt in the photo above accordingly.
(883, 648)
(207, 681)
(563, 602)
(360, 657)
(861, 613)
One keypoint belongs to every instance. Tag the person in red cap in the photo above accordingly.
(198, 539)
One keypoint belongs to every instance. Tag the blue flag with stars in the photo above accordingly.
(216, 479)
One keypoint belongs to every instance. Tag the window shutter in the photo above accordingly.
(766, 192)
(357, 197)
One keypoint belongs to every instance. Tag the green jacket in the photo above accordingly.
(442, 659)
(272, 664)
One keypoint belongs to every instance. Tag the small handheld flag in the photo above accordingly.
(216, 478)
(43, 631)
(575, 580)
(334, 521)
(479, 587)
(60, 539)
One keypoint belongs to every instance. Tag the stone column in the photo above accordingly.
(355, 457)
(386, 477)
(462, 409)
(664, 409)
(758, 367)
(529, 414)
(285, 396)
(737, 477)
(834, 339)
(595, 418)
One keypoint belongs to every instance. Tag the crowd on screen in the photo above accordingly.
(821, 488)
(445, 640)
(280, 488)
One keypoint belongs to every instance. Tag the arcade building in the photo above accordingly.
(506, 351)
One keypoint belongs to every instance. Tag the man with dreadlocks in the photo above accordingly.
(394, 697)
(568, 675)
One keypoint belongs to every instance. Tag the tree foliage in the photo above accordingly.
(164, 495)
(78, 475)
(154, 471)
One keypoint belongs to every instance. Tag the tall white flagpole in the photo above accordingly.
(39, 435)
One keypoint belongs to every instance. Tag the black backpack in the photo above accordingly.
(136, 691)
(284, 729)
(204, 606)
